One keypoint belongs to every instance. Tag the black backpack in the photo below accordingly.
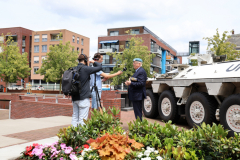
(70, 81)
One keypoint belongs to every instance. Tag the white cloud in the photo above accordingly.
(176, 22)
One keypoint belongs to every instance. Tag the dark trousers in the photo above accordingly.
(137, 107)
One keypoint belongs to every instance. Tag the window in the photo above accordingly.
(81, 51)
(36, 38)
(44, 38)
(114, 33)
(1, 39)
(107, 69)
(127, 44)
(36, 59)
(105, 59)
(77, 49)
(23, 50)
(44, 48)
(73, 39)
(135, 31)
(35, 70)
(151, 70)
(73, 49)
(77, 40)
(36, 49)
(43, 58)
(82, 41)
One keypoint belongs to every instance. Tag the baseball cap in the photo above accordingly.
(137, 59)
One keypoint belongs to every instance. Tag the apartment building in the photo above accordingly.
(116, 37)
(41, 42)
(22, 37)
(235, 38)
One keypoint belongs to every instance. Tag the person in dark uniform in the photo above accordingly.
(136, 87)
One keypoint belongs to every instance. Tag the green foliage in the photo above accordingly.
(99, 124)
(13, 64)
(59, 59)
(194, 62)
(199, 143)
(135, 50)
(221, 46)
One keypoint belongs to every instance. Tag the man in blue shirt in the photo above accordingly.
(99, 58)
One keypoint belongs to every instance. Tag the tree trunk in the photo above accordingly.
(6, 86)
(60, 87)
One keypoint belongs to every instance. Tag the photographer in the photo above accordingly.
(81, 102)
(97, 80)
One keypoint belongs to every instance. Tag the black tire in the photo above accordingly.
(209, 105)
(173, 113)
(224, 110)
(150, 111)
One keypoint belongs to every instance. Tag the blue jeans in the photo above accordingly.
(94, 99)
(80, 111)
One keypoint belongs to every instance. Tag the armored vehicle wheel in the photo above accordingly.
(200, 107)
(230, 114)
(167, 106)
(150, 108)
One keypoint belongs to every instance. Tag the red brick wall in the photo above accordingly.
(110, 95)
(25, 107)
(6, 96)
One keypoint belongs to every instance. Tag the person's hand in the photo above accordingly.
(104, 79)
(128, 83)
(91, 61)
(119, 72)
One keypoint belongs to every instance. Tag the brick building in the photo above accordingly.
(22, 37)
(116, 37)
(37, 43)
(41, 42)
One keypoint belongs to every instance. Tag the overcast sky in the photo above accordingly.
(175, 21)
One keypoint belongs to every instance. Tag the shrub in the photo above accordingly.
(99, 124)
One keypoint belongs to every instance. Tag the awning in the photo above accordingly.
(112, 41)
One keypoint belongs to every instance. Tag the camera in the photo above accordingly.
(124, 69)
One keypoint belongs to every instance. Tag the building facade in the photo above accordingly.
(116, 37)
(37, 43)
(22, 37)
(235, 38)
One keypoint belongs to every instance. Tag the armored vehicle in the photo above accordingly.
(209, 92)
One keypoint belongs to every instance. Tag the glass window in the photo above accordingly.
(106, 59)
(114, 33)
(135, 31)
(77, 49)
(82, 41)
(44, 38)
(44, 48)
(35, 70)
(36, 59)
(36, 38)
(77, 40)
(73, 39)
(127, 44)
(43, 58)
(1, 39)
(23, 50)
(107, 69)
(81, 51)
(36, 49)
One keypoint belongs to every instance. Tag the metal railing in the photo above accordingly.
(181, 54)
(43, 96)
(56, 39)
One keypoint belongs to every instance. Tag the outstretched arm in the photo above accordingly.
(107, 76)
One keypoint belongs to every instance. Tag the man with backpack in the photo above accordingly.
(81, 101)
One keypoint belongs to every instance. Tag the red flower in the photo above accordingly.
(77, 147)
(35, 144)
(29, 148)
(86, 146)
(30, 153)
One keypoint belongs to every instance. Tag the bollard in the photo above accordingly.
(10, 109)
(56, 98)
(36, 99)
(44, 96)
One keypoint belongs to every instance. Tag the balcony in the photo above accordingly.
(169, 58)
(156, 50)
(107, 50)
(12, 43)
(56, 39)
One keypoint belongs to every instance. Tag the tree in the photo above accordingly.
(134, 49)
(221, 46)
(13, 64)
(60, 58)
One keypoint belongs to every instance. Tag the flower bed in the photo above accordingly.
(103, 138)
